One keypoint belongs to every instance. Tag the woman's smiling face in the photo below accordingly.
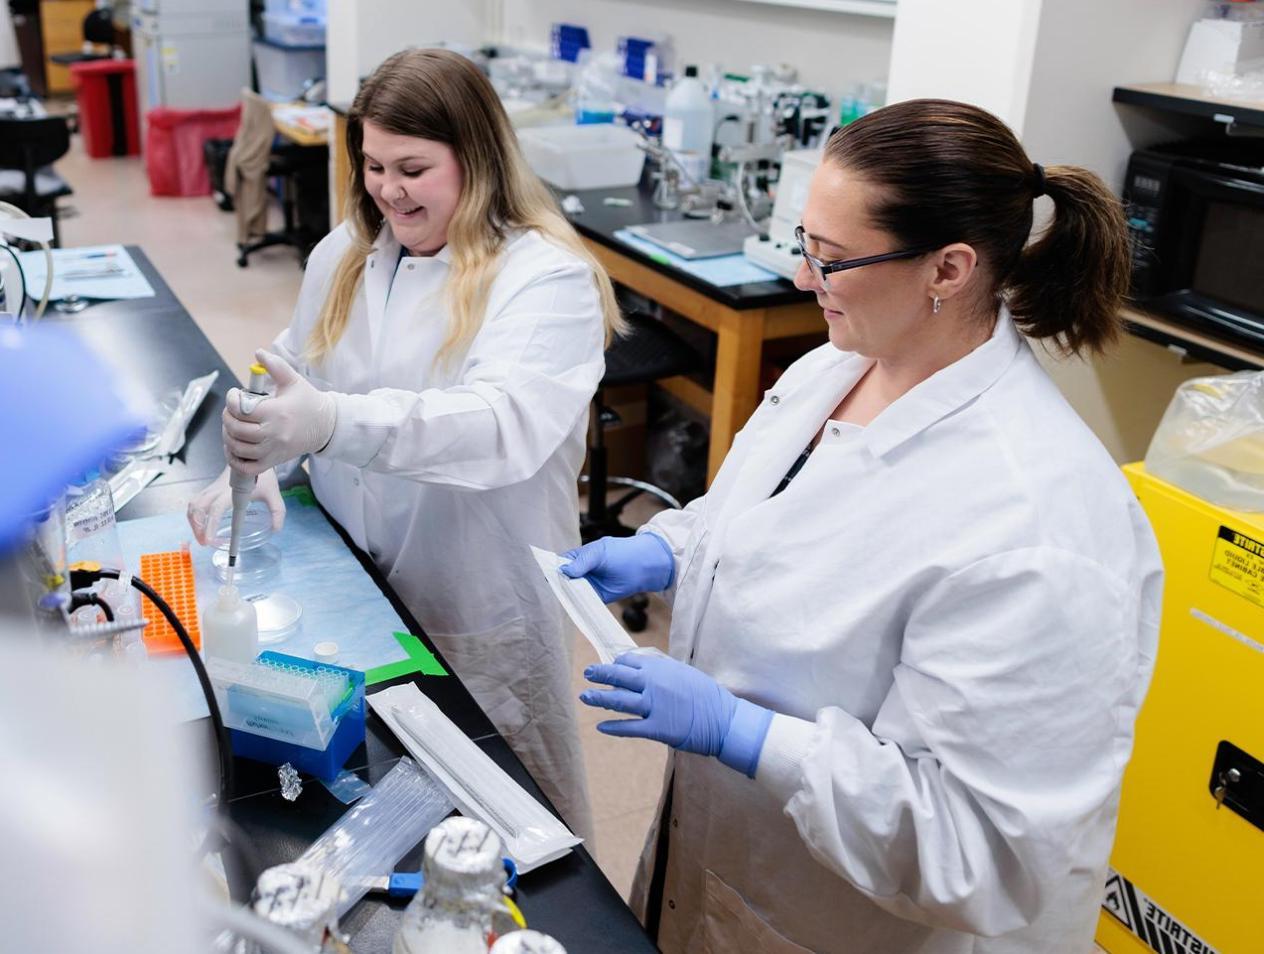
(416, 185)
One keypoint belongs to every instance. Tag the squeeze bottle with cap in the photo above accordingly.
(689, 124)
(460, 908)
(230, 627)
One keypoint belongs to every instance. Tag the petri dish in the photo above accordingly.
(257, 559)
(279, 616)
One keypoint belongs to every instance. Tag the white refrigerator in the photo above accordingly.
(191, 54)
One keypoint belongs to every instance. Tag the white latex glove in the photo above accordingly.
(298, 419)
(207, 509)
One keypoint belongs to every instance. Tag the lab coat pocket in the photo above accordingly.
(729, 924)
(495, 666)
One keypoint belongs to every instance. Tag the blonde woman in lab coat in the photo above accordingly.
(916, 612)
(438, 371)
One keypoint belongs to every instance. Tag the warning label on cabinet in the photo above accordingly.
(1237, 564)
(1153, 926)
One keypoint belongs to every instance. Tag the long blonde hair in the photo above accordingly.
(441, 96)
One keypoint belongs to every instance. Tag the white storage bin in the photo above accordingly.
(599, 156)
(294, 28)
(283, 70)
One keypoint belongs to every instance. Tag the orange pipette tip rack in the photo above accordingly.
(171, 575)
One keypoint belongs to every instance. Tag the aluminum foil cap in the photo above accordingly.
(463, 855)
(527, 942)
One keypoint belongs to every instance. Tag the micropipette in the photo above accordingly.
(243, 485)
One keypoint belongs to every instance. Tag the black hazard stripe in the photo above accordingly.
(1143, 928)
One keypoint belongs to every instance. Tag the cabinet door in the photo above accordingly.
(62, 22)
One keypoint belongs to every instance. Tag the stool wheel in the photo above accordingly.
(635, 619)
(636, 612)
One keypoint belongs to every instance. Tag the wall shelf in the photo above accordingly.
(868, 8)
(1187, 341)
(1189, 100)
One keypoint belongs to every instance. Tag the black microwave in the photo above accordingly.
(1196, 217)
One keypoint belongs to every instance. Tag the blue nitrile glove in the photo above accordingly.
(621, 566)
(679, 705)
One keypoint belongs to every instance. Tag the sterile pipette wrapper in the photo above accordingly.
(584, 607)
(478, 786)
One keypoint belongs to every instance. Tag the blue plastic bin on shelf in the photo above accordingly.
(324, 763)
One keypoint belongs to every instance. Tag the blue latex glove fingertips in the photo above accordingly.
(616, 674)
(584, 559)
(616, 700)
(627, 729)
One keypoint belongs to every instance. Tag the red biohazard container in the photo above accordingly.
(174, 158)
(106, 93)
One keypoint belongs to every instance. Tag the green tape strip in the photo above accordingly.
(302, 494)
(420, 659)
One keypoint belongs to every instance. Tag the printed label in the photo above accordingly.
(1148, 922)
(1237, 564)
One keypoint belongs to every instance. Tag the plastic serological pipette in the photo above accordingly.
(243, 485)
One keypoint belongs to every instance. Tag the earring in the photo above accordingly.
(934, 306)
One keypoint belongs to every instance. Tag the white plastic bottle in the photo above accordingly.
(689, 124)
(230, 627)
(460, 908)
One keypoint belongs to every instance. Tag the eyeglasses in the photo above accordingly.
(822, 270)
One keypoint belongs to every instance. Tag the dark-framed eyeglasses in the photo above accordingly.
(822, 270)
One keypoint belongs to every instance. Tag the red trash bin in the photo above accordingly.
(173, 147)
(106, 93)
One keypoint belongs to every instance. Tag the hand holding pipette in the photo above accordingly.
(243, 484)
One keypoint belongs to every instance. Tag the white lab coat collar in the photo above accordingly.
(945, 391)
(379, 272)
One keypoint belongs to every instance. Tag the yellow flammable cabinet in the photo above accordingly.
(1187, 870)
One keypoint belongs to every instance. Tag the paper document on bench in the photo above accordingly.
(584, 607)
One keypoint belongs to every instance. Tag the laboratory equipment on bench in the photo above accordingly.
(777, 250)
(694, 238)
(1184, 871)
(283, 708)
(460, 908)
(688, 125)
(242, 484)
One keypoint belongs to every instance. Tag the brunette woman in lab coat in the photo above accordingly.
(916, 612)
(448, 339)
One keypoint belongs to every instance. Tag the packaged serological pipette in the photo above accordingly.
(480, 788)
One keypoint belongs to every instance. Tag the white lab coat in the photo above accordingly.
(446, 475)
(953, 612)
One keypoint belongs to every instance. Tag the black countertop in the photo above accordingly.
(156, 342)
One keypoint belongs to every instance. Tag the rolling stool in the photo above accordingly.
(650, 351)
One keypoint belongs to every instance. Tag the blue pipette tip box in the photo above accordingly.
(324, 763)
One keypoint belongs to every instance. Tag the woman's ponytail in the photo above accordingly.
(1070, 282)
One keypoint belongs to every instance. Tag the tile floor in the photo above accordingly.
(191, 242)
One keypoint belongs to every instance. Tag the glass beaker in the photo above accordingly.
(258, 559)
